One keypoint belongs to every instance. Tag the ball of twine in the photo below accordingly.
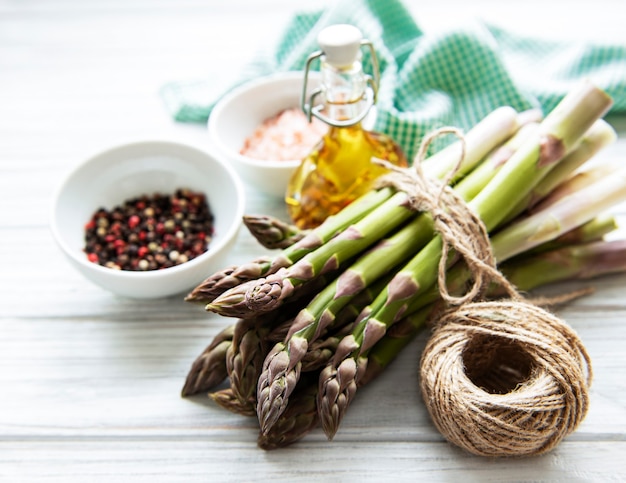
(505, 378)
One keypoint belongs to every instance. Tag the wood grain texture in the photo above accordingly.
(90, 382)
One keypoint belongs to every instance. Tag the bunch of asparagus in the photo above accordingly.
(334, 307)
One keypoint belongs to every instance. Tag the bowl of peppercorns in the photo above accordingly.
(148, 219)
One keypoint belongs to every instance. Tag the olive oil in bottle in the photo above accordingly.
(340, 169)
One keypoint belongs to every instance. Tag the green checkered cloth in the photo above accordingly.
(453, 78)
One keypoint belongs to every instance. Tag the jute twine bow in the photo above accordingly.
(499, 378)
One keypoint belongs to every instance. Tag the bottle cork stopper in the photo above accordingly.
(341, 44)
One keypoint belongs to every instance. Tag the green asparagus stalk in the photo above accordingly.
(273, 233)
(559, 133)
(229, 401)
(599, 135)
(227, 278)
(244, 360)
(249, 347)
(591, 231)
(322, 348)
(209, 368)
(563, 215)
(580, 180)
(267, 296)
(575, 262)
(299, 418)
(489, 133)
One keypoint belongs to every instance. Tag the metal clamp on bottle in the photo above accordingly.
(344, 87)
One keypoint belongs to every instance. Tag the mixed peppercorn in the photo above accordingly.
(150, 232)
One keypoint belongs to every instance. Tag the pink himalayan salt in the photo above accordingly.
(286, 136)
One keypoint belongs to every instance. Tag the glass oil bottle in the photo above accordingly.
(339, 169)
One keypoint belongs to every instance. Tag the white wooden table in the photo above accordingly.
(90, 382)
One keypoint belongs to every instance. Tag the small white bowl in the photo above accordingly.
(118, 174)
(236, 116)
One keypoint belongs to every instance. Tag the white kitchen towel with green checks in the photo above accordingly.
(453, 78)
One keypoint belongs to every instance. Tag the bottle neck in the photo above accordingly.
(344, 91)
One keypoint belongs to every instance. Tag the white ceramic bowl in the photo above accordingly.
(236, 116)
(116, 175)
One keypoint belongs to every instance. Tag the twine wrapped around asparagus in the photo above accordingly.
(499, 377)
(504, 172)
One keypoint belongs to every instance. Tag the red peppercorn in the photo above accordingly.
(116, 228)
(92, 257)
(133, 221)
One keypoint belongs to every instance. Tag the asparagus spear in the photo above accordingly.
(227, 278)
(299, 418)
(489, 133)
(229, 401)
(209, 368)
(591, 231)
(559, 133)
(588, 260)
(249, 347)
(563, 215)
(273, 233)
(599, 135)
(244, 360)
